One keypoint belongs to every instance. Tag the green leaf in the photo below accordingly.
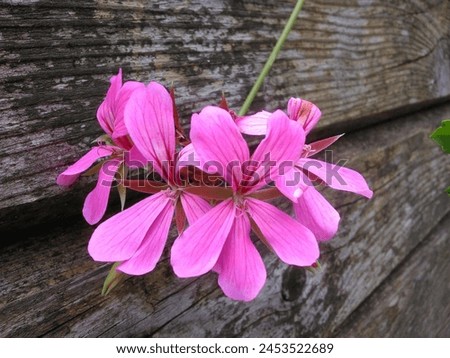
(122, 174)
(113, 279)
(448, 190)
(122, 194)
(442, 135)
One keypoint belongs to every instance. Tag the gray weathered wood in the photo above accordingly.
(50, 287)
(420, 284)
(360, 61)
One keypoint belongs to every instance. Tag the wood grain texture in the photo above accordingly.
(359, 60)
(50, 287)
(420, 281)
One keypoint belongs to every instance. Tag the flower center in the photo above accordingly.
(239, 201)
(173, 193)
(306, 150)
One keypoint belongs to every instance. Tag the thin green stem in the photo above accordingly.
(276, 50)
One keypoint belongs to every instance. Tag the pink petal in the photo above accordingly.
(186, 154)
(218, 142)
(292, 242)
(149, 120)
(322, 144)
(196, 251)
(134, 158)
(147, 256)
(292, 183)
(282, 146)
(123, 142)
(105, 114)
(119, 237)
(71, 174)
(194, 207)
(305, 112)
(317, 214)
(110, 114)
(241, 270)
(97, 200)
(256, 124)
(340, 178)
(186, 157)
(119, 107)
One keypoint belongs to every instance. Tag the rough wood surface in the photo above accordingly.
(50, 287)
(358, 60)
(420, 281)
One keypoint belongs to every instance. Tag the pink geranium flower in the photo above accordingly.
(110, 116)
(136, 237)
(220, 239)
(310, 207)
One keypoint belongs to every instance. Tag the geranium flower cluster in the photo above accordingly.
(211, 185)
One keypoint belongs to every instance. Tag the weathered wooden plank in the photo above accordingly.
(419, 283)
(358, 60)
(50, 287)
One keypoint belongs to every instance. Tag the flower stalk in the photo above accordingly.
(270, 61)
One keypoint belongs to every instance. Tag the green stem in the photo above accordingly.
(276, 50)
